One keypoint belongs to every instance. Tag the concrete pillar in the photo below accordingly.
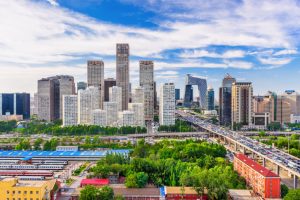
(252, 155)
(277, 170)
(295, 181)
(264, 162)
(235, 147)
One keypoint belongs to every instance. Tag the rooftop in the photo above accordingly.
(94, 182)
(254, 165)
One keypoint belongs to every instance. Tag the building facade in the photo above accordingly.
(122, 72)
(126, 118)
(95, 77)
(138, 110)
(241, 103)
(108, 83)
(15, 104)
(111, 109)
(115, 95)
(263, 181)
(138, 95)
(88, 100)
(167, 104)
(177, 94)
(147, 83)
(70, 114)
(81, 86)
(99, 117)
(210, 99)
(225, 100)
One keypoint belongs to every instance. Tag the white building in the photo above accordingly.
(88, 100)
(111, 109)
(69, 110)
(115, 95)
(138, 95)
(126, 118)
(138, 110)
(167, 104)
(99, 117)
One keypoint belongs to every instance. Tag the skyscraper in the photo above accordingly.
(15, 104)
(115, 95)
(242, 104)
(95, 78)
(225, 100)
(126, 118)
(201, 83)
(88, 100)
(210, 99)
(138, 110)
(70, 114)
(109, 82)
(167, 104)
(188, 96)
(138, 95)
(122, 72)
(177, 94)
(81, 85)
(111, 109)
(50, 93)
(147, 82)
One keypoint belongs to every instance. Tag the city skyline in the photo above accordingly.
(65, 34)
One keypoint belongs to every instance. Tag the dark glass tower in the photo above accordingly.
(188, 96)
(177, 94)
(210, 99)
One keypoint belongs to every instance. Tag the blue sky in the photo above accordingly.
(254, 41)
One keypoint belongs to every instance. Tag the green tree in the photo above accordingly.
(284, 190)
(23, 145)
(89, 193)
(293, 195)
(106, 193)
(136, 180)
(119, 197)
(37, 144)
(262, 133)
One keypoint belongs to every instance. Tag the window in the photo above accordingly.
(13, 192)
(7, 192)
(25, 192)
(31, 193)
(37, 192)
(19, 192)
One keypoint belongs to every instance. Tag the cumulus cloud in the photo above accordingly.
(205, 53)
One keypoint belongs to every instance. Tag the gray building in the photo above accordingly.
(50, 95)
(81, 86)
(147, 83)
(109, 82)
(95, 77)
(201, 83)
(225, 100)
(122, 72)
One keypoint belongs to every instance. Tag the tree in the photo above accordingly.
(118, 197)
(293, 195)
(136, 180)
(37, 144)
(88, 193)
(106, 193)
(284, 190)
(23, 145)
(262, 134)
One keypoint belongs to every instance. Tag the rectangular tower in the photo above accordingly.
(95, 77)
(167, 104)
(122, 72)
(70, 115)
(109, 82)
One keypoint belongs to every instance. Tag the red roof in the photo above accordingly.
(254, 165)
(96, 182)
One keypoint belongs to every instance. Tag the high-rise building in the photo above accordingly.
(147, 82)
(138, 110)
(167, 104)
(111, 109)
(293, 98)
(50, 93)
(122, 72)
(109, 82)
(81, 86)
(225, 100)
(210, 99)
(115, 95)
(202, 90)
(188, 96)
(99, 117)
(15, 104)
(155, 97)
(88, 100)
(70, 110)
(95, 77)
(177, 94)
(138, 95)
(126, 118)
(241, 103)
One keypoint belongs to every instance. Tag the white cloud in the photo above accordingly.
(205, 53)
(53, 2)
(275, 61)
(285, 52)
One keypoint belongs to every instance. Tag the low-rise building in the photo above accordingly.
(263, 181)
(67, 148)
(178, 193)
(14, 189)
(94, 182)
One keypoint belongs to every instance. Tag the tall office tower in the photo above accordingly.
(210, 99)
(138, 95)
(155, 97)
(99, 117)
(15, 104)
(225, 100)
(35, 103)
(122, 72)
(70, 114)
(81, 86)
(88, 100)
(241, 103)
(126, 118)
(115, 95)
(138, 110)
(293, 98)
(95, 77)
(202, 90)
(177, 94)
(109, 82)
(147, 83)
(111, 109)
(50, 93)
(188, 96)
(167, 104)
